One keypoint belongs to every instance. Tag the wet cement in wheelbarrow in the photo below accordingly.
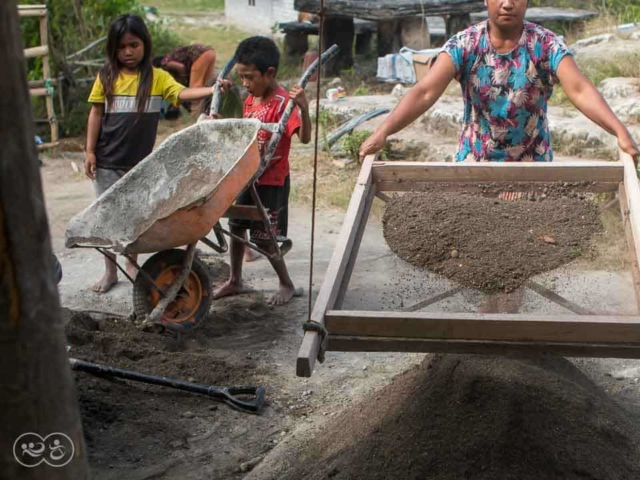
(487, 243)
(128, 423)
(471, 417)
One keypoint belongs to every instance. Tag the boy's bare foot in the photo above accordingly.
(228, 289)
(285, 294)
(250, 255)
(105, 284)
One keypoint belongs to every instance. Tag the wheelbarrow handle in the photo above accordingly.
(229, 396)
(275, 138)
(216, 99)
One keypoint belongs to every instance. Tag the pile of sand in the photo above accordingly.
(470, 417)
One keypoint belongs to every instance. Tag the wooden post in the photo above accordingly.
(339, 31)
(363, 42)
(457, 23)
(414, 33)
(296, 45)
(388, 37)
(339, 270)
(46, 73)
(37, 387)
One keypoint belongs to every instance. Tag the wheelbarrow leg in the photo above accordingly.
(154, 317)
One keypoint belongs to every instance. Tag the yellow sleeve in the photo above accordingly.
(97, 92)
(169, 86)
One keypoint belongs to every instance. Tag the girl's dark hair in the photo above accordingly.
(259, 51)
(110, 72)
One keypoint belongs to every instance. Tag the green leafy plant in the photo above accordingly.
(351, 144)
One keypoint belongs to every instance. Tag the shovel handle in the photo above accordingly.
(229, 396)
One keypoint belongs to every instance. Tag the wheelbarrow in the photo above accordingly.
(175, 197)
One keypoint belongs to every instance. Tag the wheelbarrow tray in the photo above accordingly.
(176, 194)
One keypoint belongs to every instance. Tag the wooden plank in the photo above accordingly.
(39, 92)
(403, 186)
(542, 15)
(32, 10)
(629, 197)
(33, 52)
(386, 9)
(498, 172)
(338, 265)
(498, 327)
(46, 72)
(633, 253)
(44, 146)
(351, 261)
(42, 83)
(340, 343)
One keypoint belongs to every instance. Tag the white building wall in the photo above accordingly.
(262, 16)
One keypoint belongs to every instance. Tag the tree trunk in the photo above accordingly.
(37, 387)
(339, 31)
(415, 33)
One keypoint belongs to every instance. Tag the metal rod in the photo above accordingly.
(145, 275)
(176, 286)
(111, 257)
(250, 245)
(265, 218)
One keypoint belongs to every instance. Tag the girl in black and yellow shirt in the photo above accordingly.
(123, 121)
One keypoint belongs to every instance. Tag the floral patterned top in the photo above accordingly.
(506, 94)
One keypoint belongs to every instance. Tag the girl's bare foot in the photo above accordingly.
(106, 283)
(228, 289)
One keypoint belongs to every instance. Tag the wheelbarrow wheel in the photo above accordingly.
(192, 303)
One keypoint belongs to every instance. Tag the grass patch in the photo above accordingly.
(166, 6)
(597, 70)
(224, 39)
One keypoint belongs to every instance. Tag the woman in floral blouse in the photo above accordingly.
(507, 68)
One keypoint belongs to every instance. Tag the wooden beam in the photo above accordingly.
(404, 186)
(360, 227)
(44, 146)
(33, 52)
(385, 9)
(340, 343)
(630, 206)
(497, 327)
(498, 172)
(338, 268)
(39, 92)
(633, 253)
(32, 10)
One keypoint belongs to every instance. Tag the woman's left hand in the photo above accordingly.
(629, 146)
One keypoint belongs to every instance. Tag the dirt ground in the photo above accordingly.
(141, 432)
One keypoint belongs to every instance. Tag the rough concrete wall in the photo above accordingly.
(256, 18)
(283, 11)
(184, 169)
